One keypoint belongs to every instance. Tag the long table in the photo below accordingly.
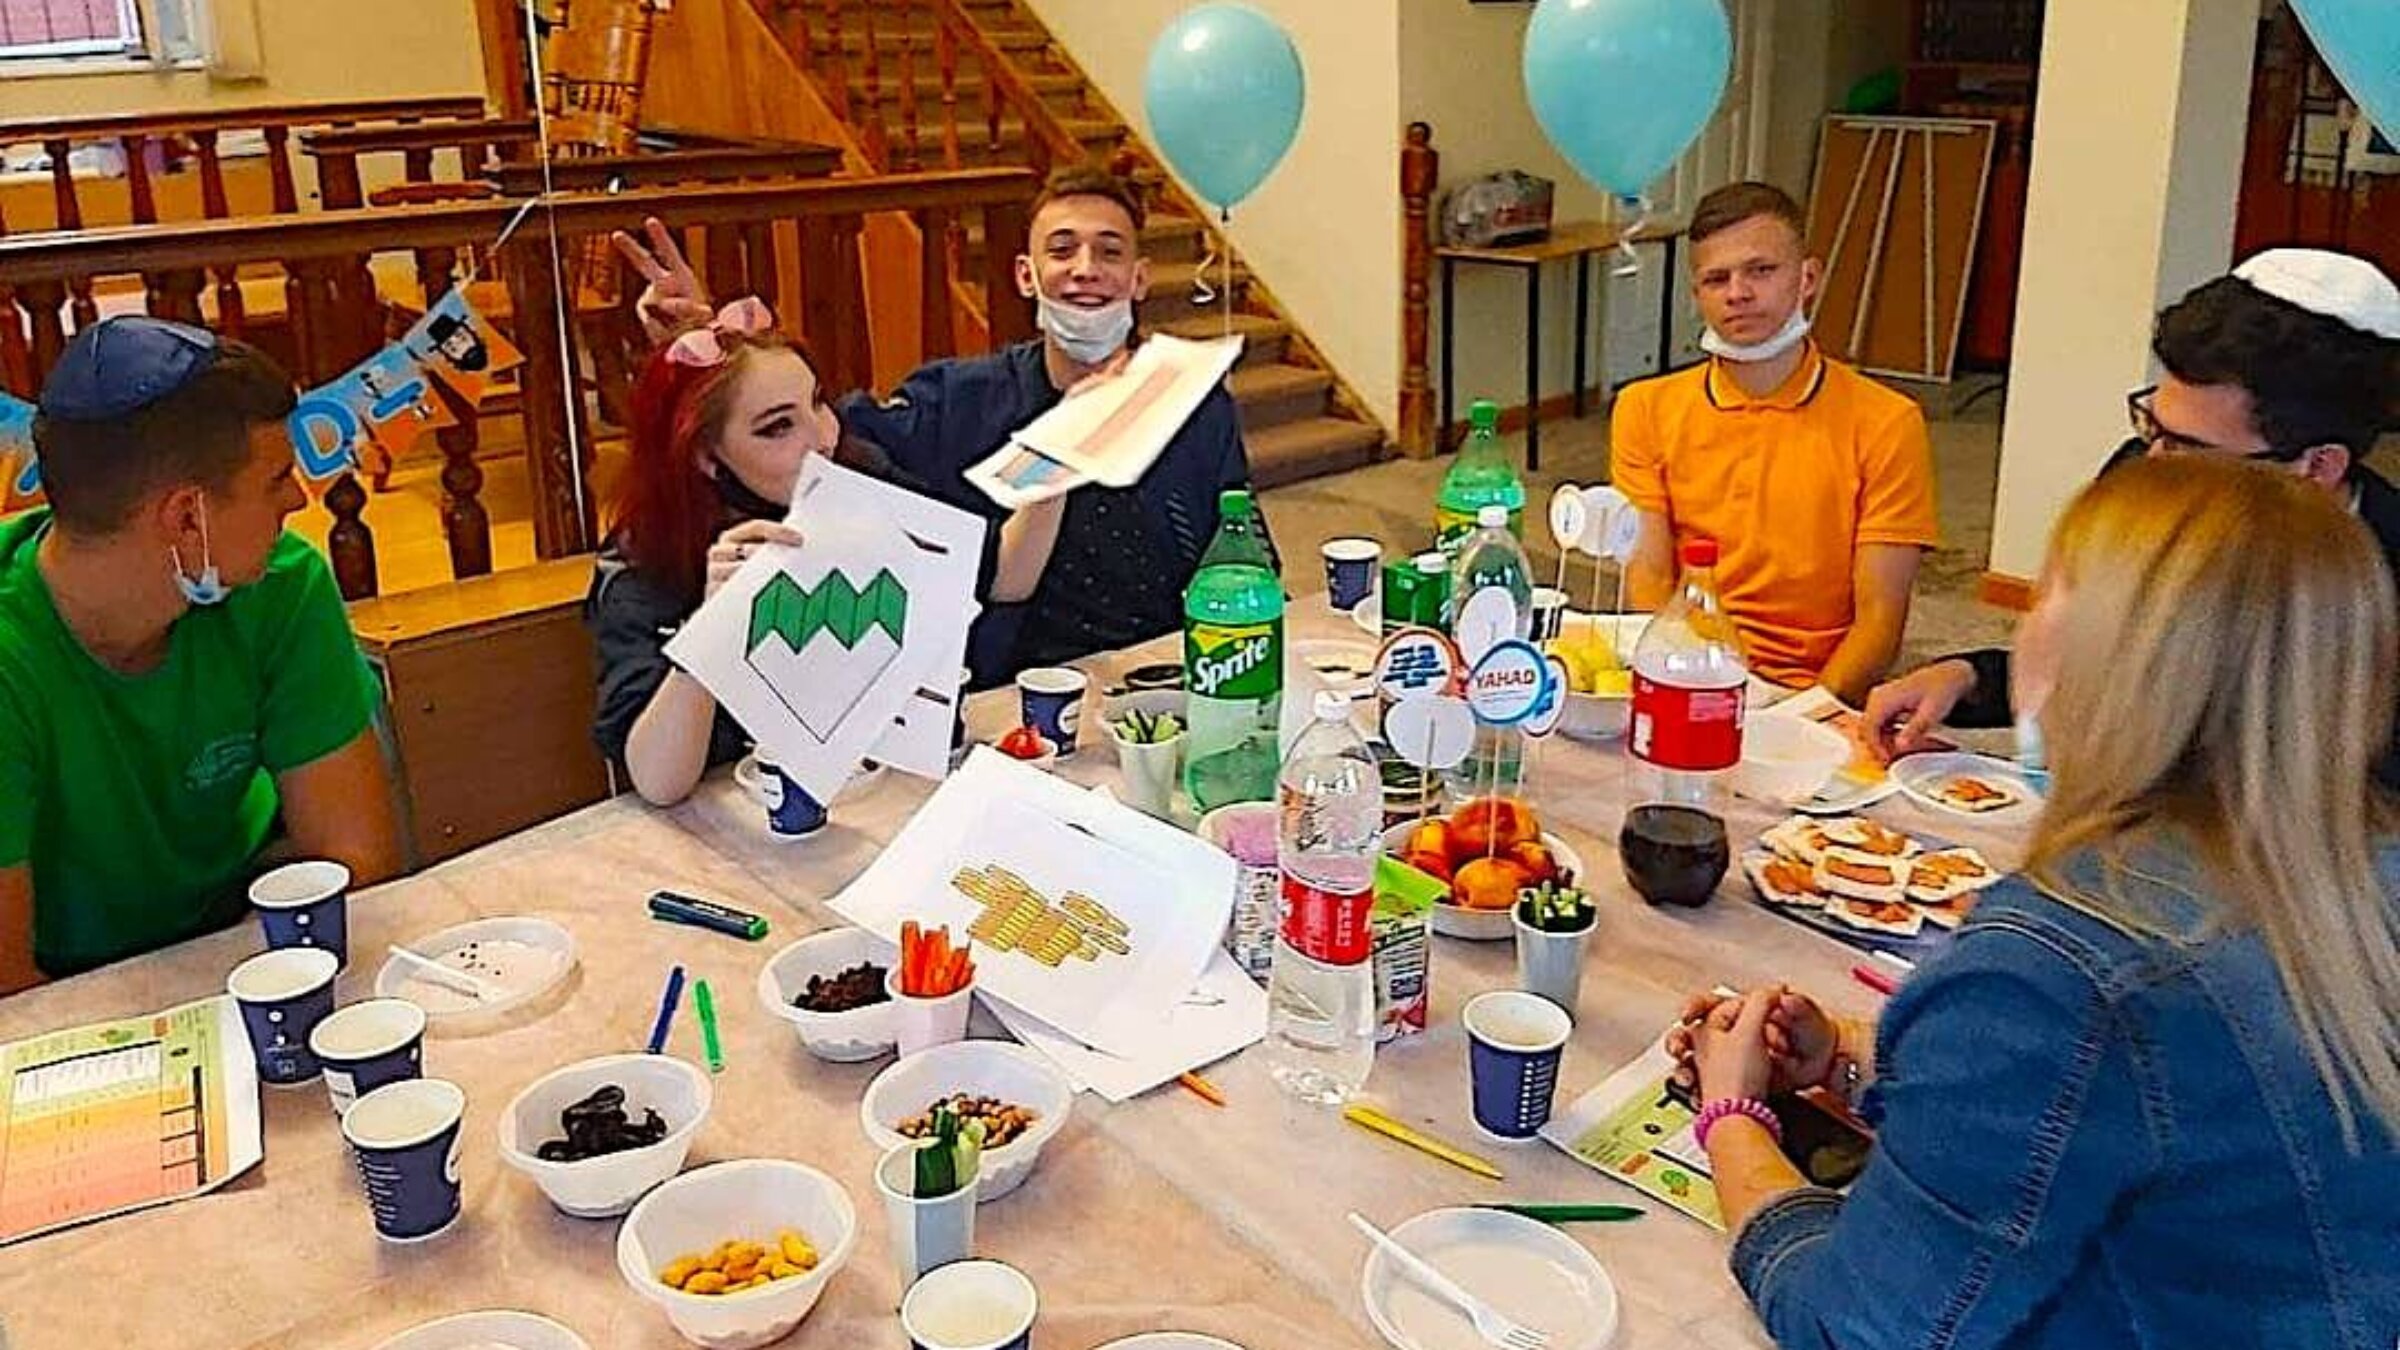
(1163, 1212)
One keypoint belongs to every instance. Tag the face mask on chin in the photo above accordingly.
(1087, 336)
(1792, 334)
(209, 587)
(742, 499)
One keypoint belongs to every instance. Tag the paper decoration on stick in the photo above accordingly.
(1596, 521)
(460, 347)
(1509, 685)
(1416, 663)
(1431, 733)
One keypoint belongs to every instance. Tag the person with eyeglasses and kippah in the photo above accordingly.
(2293, 359)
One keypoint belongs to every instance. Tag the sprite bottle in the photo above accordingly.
(1233, 664)
(1481, 476)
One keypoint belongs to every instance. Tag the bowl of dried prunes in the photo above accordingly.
(597, 1134)
(829, 986)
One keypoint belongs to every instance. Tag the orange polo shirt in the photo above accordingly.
(1789, 485)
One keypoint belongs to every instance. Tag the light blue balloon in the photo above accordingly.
(1223, 93)
(2360, 39)
(1623, 86)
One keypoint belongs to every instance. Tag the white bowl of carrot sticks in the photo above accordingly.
(1002, 1072)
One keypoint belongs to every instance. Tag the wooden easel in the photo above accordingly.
(1868, 312)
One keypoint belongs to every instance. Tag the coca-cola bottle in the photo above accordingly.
(1689, 679)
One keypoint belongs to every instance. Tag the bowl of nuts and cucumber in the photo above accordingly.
(1019, 1098)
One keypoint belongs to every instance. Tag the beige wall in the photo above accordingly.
(1324, 231)
(313, 50)
(2116, 226)
(1461, 70)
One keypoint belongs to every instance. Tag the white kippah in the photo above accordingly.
(2335, 285)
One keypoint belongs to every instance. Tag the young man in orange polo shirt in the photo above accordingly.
(1815, 481)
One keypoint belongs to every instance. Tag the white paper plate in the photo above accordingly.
(1921, 776)
(524, 958)
(1170, 1340)
(518, 1330)
(1526, 1269)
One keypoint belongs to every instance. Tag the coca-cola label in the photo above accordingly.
(1327, 926)
(1689, 729)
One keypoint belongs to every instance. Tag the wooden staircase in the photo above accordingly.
(917, 77)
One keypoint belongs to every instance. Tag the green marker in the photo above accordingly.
(1549, 1214)
(707, 1005)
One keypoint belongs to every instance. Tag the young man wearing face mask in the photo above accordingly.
(178, 682)
(2292, 360)
(1815, 482)
(1123, 555)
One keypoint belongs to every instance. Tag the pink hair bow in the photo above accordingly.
(705, 346)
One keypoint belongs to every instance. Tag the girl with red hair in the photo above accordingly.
(723, 418)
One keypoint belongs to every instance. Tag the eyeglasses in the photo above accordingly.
(2142, 412)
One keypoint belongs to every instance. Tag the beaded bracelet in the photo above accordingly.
(1735, 1106)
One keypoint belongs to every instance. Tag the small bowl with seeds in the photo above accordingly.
(830, 987)
(1021, 1099)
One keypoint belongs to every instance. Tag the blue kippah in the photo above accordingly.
(120, 366)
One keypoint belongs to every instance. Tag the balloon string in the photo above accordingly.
(1630, 262)
(1204, 294)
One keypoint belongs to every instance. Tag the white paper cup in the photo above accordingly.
(926, 1234)
(923, 1023)
(970, 1305)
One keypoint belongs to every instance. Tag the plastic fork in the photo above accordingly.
(1490, 1323)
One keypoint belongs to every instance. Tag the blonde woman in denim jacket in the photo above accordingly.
(2151, 1095)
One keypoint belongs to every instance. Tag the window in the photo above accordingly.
(103, 33)
(55, 28)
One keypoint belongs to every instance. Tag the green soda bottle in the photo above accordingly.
(1232, 664)
(1481, 476)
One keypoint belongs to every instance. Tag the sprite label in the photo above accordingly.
(1234, 661)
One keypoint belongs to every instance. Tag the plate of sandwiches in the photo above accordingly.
(1988, 789)
(1865, 882)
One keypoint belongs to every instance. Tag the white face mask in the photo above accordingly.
(209, 587)
(1088, 336)
(1792, 334)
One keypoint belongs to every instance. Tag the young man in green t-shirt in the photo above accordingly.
(178, 682)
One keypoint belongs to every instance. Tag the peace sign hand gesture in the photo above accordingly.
(673, 300)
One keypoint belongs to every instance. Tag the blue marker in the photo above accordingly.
(666, 1011)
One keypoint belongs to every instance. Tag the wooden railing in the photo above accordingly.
(936, 37)
(793, 241)
(148, 141)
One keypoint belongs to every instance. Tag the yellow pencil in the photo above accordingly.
(1368, 1117)
(1202, 1088)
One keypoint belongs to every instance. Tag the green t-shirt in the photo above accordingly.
(139, 801)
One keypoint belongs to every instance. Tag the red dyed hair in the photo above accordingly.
(667, 511)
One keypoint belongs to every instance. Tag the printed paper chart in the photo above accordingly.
(120, 1115)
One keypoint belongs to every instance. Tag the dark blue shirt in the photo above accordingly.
(2099, 1126)
(1123, 557)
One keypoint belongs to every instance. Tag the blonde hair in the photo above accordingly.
(2225, 666)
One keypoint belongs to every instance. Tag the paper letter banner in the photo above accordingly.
(385, 398)
(16, 452)
(460, 347)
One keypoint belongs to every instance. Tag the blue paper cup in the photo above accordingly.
(305, 904)
(970, 1305)
(1351, 566)
(791, 812)
(283, 995)
(1051, 699)
(405, 1138)
(368, 1045)
(1514, 1040)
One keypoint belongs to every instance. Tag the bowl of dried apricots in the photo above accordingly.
(738, 1252)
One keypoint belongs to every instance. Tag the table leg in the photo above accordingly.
(1583, 321)
(1441, 431)
(1533, 370)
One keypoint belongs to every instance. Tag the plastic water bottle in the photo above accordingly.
(1232, 663)
(1321, 989)
(1689, 679)
(1482, 475)
(1491, 594)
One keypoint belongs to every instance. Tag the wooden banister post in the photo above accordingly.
(136, 148)
(1420, 172)
(325, 343)
(936, 324)
(212, 177)
(62, 184)
(837, 61)
(878, 145)
(945, 50)
(911, 156)
(279, 170)
(174, 294)
(46, 331)
(1010, 316)
(466, 526)
(552, 400)
(338, 184)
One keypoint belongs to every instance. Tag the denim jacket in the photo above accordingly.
(2097, 1128)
